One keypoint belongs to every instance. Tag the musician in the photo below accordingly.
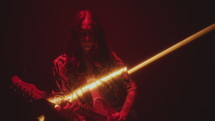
(86, 59)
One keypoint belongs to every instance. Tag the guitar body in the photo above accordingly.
(101, 110)
(101, 106)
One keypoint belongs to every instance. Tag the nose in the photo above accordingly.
(87, 38)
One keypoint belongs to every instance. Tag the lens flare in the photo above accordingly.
(41, 118)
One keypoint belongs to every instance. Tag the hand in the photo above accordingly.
(68, 106)
(118, 116)
(67, 110)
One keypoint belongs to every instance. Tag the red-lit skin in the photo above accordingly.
(87, 35)
(87, 40)
(122, 115)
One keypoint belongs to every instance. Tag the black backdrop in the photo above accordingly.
(177, 87)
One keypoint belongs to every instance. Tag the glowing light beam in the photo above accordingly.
(172, 48)
(79, 92)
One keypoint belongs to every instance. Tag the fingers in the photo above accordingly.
(118, 117)
(115, 116)
(70, 106)
(121, 118)
(66, 106)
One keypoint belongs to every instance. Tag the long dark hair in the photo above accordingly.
(101, 57)
(100, 54)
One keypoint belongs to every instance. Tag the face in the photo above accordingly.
(87, 35)
(87, 38)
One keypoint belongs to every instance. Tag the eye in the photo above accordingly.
(82, 32)
(87, 32)
(91, 32)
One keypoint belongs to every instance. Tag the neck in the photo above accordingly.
(86, 55)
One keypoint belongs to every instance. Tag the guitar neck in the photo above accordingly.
(25, 88)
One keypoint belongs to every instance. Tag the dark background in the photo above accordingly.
(177, 87)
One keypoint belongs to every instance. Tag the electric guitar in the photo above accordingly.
(100, 111)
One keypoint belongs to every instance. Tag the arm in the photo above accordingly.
(127, 104)
(131, 87)
(130, 98)
(59, 73)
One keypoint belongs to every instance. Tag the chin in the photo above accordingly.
(86, 49)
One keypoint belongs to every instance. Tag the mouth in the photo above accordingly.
(87, 45)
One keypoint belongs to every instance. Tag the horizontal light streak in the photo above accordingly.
(79, 92)
(172, 48)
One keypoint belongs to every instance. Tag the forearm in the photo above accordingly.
(129, 102)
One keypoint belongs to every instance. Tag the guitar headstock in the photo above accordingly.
(27, 90)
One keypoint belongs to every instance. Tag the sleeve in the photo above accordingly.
(59, 72)
(128, 83)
